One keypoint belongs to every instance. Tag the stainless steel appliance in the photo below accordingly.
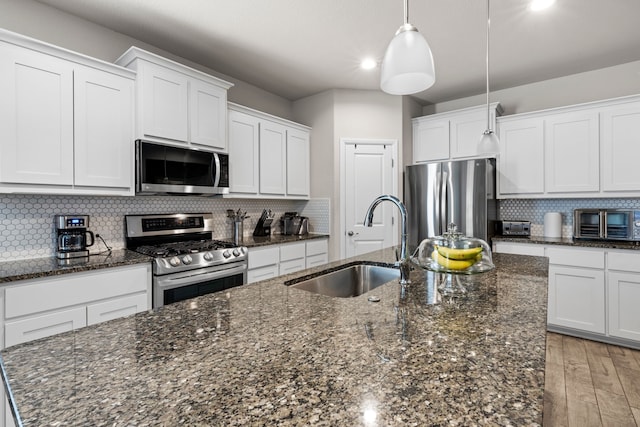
(188, 262)
(606, 224)
(72, 236)
(462, 192)
(294, 224)
(513, 228)
(176, 170)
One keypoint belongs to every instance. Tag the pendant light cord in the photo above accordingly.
(406, 11)
(488, 110)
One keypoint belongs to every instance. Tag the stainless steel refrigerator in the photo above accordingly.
(462, 192)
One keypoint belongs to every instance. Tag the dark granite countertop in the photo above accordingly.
(11, 271)
(268, 354)
(564, 241)
(276, 239)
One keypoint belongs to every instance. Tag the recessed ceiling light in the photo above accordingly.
(537, 5)
(368, 64)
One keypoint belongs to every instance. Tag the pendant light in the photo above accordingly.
(489, 143)
(407, 67)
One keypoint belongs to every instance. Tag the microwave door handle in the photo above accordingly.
(215, 167)
(602, 216)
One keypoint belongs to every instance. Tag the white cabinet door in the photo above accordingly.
(624, 294)
(572, 152)
(244, 141)
(521, 163)
(17, 332)
(164, 102)
(466, 131)
(620, 147)
(103, 126)
(273, 140)
(208, 115)
(430, 140)
(297, 163)
(576, 298)
(36, 118)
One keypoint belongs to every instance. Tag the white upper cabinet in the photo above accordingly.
(269, 157)
(621, 147)
(178, 104)
(451, 135)
(430, 140)
(572, 152)
(103, 129)
(587, 150)
(521, 161)
(66, 121)
(298, 167)
(164, 95)
(244, 137)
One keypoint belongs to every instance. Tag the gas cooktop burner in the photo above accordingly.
(181, 248)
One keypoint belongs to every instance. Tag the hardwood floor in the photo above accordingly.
(590, 384)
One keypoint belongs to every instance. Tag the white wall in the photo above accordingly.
(48, 24)
(610, 82)
(342, 113)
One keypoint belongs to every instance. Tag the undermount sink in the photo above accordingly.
(348, 281)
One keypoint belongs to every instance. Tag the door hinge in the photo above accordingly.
(392, 163)
(393, 220)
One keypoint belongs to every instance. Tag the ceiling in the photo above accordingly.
(296, 48)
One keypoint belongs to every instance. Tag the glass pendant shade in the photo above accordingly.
(407, 67)
(489, 143)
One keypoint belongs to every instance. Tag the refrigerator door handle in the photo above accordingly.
(438, 203)
(444, 201)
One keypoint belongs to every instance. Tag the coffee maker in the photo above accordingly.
(72, 236)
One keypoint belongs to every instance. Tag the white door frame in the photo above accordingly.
(343, 213)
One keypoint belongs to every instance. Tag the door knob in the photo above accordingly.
(351, 233)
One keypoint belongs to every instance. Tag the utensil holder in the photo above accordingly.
(238, 231)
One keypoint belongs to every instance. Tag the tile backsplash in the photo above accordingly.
(534, 209)
(27, 231)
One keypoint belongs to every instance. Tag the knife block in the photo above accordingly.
(263, 227)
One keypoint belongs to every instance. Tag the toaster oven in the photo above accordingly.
(606, 224)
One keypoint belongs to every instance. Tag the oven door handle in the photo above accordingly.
(195, 277)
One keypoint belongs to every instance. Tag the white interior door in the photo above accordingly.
(369, 168)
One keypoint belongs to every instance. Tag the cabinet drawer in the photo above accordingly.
(624, 261)
(316, 260)
(292, 251)
(262, 257)
(44, 326)
(292, 266)
(317, 247)
(72, 289)
(262, 273)
(113, 309)
(576, 257)
(519, 248)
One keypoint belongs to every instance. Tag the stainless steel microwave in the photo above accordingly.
(167, 169)
(606, 224)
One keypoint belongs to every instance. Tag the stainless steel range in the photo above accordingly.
(188, 262)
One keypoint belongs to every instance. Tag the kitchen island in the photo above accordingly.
(268, 354)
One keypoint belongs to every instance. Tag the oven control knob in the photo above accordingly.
(236, 252)
(226, 254)
(208, 256)
(174, 261)
(187, 259)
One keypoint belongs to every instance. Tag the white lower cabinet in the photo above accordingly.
(623, 280)
(576, 289)
(39, 308)
(593, 293)
(276, 260)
